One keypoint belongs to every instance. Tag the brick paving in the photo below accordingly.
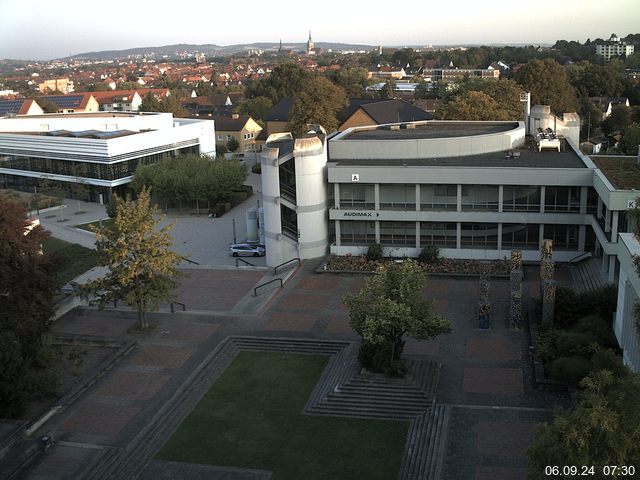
(485, 378)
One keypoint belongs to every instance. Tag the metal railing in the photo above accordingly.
(582, 256)
(275, 269)
(173, 310)
(244, 261)
(255, 290)
(190, 261)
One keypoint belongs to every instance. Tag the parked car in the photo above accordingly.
(246, 250)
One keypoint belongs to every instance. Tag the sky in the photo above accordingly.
(41, 30)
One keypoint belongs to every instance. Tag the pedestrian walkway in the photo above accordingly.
(486, 405)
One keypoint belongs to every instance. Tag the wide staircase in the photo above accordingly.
(587, 275)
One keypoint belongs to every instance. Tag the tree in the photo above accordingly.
(319, 102)
(631, 140)
(354, 80)
(471, 106)
(548, 83)
(602, 429)
(233, 145)
(142, 267)
(26, 307)
(619, 119)
(388, 91)
(285, 80)
(389, 306)
(150, 103)
(258, 108)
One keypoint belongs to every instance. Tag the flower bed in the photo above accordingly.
(359, 263)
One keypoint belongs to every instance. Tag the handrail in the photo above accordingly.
(583, 254)
(255, 290)
(190, 261)
(243, 261)
(275, 269)
(173, 310)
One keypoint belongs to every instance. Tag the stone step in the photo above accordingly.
(367, 390)
(426, 446)
(389, 404)
(356, 411)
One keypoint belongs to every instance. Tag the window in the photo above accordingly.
(438, 197)
(521, 198)
(480, 197)
(564, 237)
(357, 233)
(220, 138)
(562, 199)
(398, 234)
(357, 196)
(520, 236)
(229, 137)
(398, 197)
(438, 234)
(479, 235)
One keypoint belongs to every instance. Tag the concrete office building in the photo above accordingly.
(98, 150)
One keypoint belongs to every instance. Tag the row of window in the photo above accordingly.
(473, 197)
(473, 235)
(75, 168)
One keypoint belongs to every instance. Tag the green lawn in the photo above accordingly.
(70, 259)
(87, 226)
(252, 418)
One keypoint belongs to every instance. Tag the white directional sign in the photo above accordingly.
(631, 204)
(355, 177)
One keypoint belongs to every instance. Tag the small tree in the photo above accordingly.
(233, 145)
(142, 266)
(389, 306)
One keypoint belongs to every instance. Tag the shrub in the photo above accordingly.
(429, 254)
(374, 253)
(575, 343)
(570, 370)
(111, 206)
(598, 328)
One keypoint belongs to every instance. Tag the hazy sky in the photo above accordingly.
(38, 29)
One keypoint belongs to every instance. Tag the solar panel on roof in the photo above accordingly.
(66, 101)
(10, 106)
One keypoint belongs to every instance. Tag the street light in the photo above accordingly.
(234, 230)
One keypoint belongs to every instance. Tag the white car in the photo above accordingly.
(246, 250)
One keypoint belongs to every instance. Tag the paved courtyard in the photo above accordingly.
(485, 381)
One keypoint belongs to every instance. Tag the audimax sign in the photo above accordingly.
(361, 214)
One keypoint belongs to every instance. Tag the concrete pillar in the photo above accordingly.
(583, 200)
(543, 194)
(500, 200)
(582, 235)
(458, 235)
(607, 221)
(417, 234)
(500, 233)
(376, 196)
(612, 268)
(599, 210)
(336, 195)
(614, 226)
(459, 199)
(605, 262)
(338, 233)
(417, 197)
(377, 231)
(270, 179)
(541, 236)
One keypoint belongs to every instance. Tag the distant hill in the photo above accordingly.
(173, 51)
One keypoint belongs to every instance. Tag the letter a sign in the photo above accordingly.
(355, 177)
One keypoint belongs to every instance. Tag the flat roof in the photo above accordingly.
(622, 171)
(86, 115)
(527, 159)
(438, 129)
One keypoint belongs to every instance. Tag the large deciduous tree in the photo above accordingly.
(602, 429)
(319, 103)
(548, 83)
(142, 266)
(26, 307)
(389, 306)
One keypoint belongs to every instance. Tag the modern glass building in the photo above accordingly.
(98, 150)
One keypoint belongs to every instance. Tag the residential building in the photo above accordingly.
(243, 129)
(118, 100)
(63, 85)
(74, 103)
(21, 106)
(614, 47)
(376, 112)
(451, 74)
(606, 104)
(99, 150)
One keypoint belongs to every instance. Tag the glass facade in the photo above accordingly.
(357, 233)
(398, 234)
(562, 199)
(398, 196)
(440, 234)
(565, 237)
(520, 236)
(82, 169)
(438, 197)
(357, 196)
(520, 199)
(479, 235)
(480, 197)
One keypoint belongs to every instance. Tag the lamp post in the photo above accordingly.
(234, 230)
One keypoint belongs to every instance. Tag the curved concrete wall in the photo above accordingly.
(271, 204)
(427, 147)
(311, 197)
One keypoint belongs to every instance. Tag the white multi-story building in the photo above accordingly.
(614, 48)
(98, 150)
